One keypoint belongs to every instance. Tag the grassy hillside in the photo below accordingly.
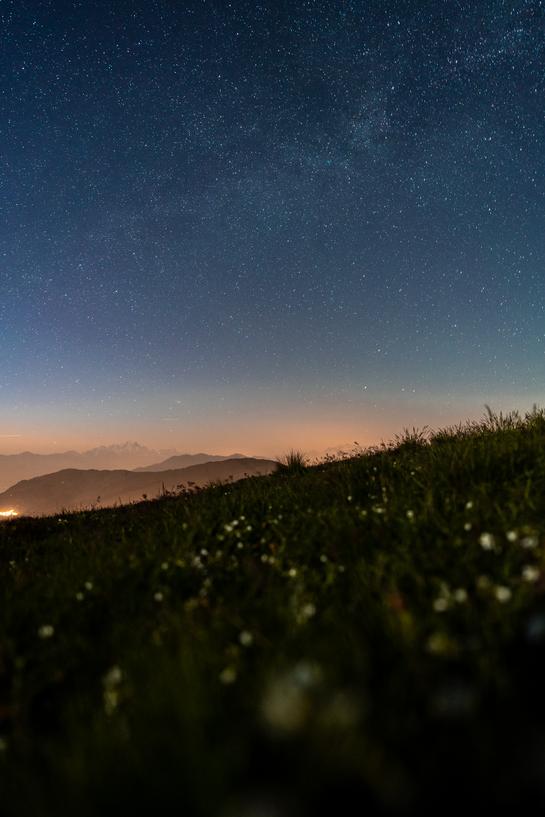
(371, 628)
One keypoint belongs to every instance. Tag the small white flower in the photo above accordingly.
(158, 596)
(79, 596)
(530, 573)
(410, 515)
(487, 541)
(246, 638)
(440, 605)
(460, 595)
(292, 572)
(529, 542)
(469, 505)
(511, 536)
(307, 611)
(349, 498)
(438, 644)
(164, 566)
(228, 675)
(46, 631)
(113, 677)
(503, 593)
(88, 585)
(468, 526)
(323, 558)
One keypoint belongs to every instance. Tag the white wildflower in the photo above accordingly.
(246, 638)
(530, 573)
(113, 677)
(228, 675)
(503, 594)
(529, 542)
(46, 631)
(158, 596)
(460, 595)
(511, 536)
(487, 541)
(308, 611)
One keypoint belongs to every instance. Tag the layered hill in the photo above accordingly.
(74, 489)
(185, 460)
(27, 464)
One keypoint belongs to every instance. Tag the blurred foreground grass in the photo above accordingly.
(371, 628)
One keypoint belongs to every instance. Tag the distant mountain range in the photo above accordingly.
(185, 460)
(127, 456)
(74, 489)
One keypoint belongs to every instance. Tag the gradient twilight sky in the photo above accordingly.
(251, 225)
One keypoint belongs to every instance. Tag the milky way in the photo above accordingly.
(212, 211)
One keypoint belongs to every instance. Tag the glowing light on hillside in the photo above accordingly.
(8, 514)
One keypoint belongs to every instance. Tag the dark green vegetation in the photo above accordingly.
(370, 628)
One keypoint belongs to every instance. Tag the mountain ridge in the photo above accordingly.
(185, 460)
(128, 455)
(73, 489)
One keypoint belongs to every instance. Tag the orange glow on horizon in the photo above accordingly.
(8, 514)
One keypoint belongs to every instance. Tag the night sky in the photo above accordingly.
(254, 225)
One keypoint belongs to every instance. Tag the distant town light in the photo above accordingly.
(8, 514)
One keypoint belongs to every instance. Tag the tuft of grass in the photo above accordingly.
(294, 462)
(372, 628)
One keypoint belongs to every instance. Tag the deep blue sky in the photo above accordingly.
(223, 221)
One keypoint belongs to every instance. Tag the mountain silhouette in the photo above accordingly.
(129, 455)
(185, 460)
(74, 489)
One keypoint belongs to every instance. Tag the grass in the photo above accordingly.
(370, 628)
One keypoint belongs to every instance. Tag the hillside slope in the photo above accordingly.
(372, 629)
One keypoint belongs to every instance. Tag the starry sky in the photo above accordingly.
(254, 225)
